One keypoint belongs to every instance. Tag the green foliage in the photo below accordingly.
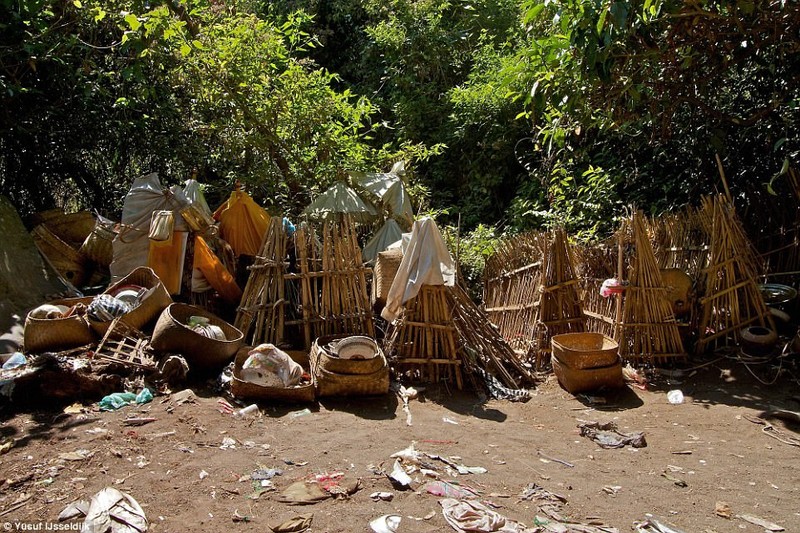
(471, 250)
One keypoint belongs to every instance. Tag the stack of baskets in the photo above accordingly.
(155, 300)
(337, 374)
(56, 334)
(302, 392)
(586, 361)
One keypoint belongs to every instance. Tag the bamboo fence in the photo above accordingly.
(646, 329)
(594, 264)
(511, 277)
(680, 240)
(731, 300)
(559, 308)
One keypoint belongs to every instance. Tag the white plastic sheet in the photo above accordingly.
(426, 262)
(390, 232)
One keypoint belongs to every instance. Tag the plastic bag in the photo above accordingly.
(265, 363)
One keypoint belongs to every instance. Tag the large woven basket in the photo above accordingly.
(386, 266)
(57, 334)
(582, 380)
(172, 334)
(67, 261)
(304, 392)
(98, 244)
(150, 307)
(585, 350)
(335, 384)
(328, 361)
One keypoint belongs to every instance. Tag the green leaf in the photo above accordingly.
(99, 14)
(197, 44)
(77, 3)
(185, 49)
(133, 21)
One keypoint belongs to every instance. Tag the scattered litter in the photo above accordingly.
(382, 496)
(74, 510)
(137, 421)
(635, 377)
(387, 523)
(115, 510)
(611, 489)
(184, 396)
(421, 518)
(449, 490)
(547, 458)
(297, 524)
(593, 400)
(407, 394)
(224, 407)
(74, 409)
(555, 522)
(266, 473)
(228, 444)
(653, 525)
(295, 463)
(682, 452)
(474, 516)
(723, 509)
(449, 421)
(760, 522)
(399, 476)
(239, 517)
(203, 474)
(675, 397)
(303, 493)
(676, 481)
(251, 409)
(298, 414)
(6, 443)
(774, 432)
(607, 435)
(116, 400)
(77, 455)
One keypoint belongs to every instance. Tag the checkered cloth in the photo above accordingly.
(105, 307)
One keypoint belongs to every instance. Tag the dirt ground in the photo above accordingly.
(176, 468)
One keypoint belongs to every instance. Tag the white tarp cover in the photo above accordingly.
(194, 193)
(132, 246)
(389, 187)
(390, 232)
(341, 199)
(425, 262)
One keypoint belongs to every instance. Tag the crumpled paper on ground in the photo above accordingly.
(466, 516)
(114, 510)
(607, 435)
(297, 524)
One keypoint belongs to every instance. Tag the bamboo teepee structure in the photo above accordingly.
(559, 310)
(646, 330)
(731, 300)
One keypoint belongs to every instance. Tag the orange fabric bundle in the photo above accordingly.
(215, 272)
(166, 259)
(242, 223)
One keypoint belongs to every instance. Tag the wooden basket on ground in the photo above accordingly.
(581, 380)
(304, 392)
(327, 360)
(153, 303)
(585, 350)
(57, 334)
(337, 384)
(172, 334)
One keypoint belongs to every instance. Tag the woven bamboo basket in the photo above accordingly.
(328, 361)
(304, 392)
(171, 334)
(335, 384)
(98, 244)
(151, 305)
(57, 334)
(574, 380)
(386, 266)
(585, 350)
(67, 261)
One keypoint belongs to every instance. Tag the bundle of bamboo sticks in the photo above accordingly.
(559, 307)
(260, 315)
(680, 240)
(647, 330)
(593, 265)
(731, 299)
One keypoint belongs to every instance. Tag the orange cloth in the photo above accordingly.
(166, 259)
(215, 272)
(242, 223)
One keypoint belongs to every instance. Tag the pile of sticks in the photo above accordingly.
(680, 240)
(510, 280)
(646, 330)
(260, 315)
(559, 308)
(732, 299)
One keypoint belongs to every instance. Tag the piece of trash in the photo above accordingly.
(297, 524)
(295, 463)
(77, 455)
(251, 409)
(472, 515)
(676, 481)
(74, 510)
(399, 475)
(239, 517)
(607, 435)
(266, 473)
(760, 522)
(682, 452)
(449, 421)
(722, 509)
(387, 523)
(6, 443)
(421, 518)
(593, 400)
(113, 510)
(675, 397)
(611, 489)
(534, 491)
(382, 496)
(203, 474)
(228, 444)
(298, 414)
(409, 455)
(184, 396)
(224, 407)
(74, 409)
(652, 525)
(137, 421)
(449, 490)
(547, 458)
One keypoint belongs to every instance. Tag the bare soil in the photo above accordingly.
(724, 456)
